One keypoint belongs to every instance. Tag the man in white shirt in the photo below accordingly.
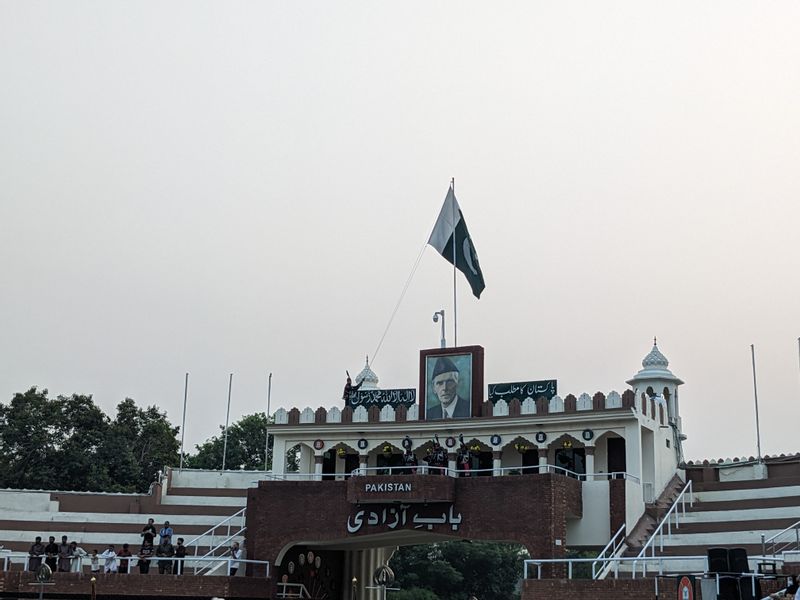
(111, 559)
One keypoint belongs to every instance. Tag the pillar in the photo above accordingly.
(589, 462)
(497, 463)
(318, 467)
(542, 460)
(451, 464)
(362, 463)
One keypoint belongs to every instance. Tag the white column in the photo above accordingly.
(589, 460)
(497, 463)
(318, 467)
(542, 460)
(362, 463)
(451, 464)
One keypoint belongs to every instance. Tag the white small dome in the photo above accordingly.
(368, 376)
(655, 368)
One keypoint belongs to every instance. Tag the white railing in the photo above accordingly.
(660, 560)
(674, 513)
(624, 564)
(292, 590)
(613, 546)
(226, 523)
(527, 470)
(774, 545)
(131, 561)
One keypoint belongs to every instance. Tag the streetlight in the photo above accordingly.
(443, 342)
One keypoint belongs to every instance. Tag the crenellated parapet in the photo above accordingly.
(651, 408)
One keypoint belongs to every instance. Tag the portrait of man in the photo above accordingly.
(449, 387)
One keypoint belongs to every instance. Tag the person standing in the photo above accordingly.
(148, 531)
(110, 558)
(124, 563)
(76, 554)
(165, 551)
(180, 553)
(145, 553)
(236, 554)
(165, 532)
(51, 552)
(35, 554)
(64, 555)
(95, 563)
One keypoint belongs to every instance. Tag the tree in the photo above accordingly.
(68, 443)
(455, 570)
(246, 447)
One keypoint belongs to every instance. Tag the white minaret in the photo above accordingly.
(655, 379)
(368, 376)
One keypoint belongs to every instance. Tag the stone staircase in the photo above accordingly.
(728, 514)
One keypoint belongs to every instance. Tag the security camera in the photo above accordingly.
(436, 317)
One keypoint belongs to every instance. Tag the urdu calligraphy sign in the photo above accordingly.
(523, 390)
(399, 516)
(380, 398)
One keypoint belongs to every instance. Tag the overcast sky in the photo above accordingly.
(244, 187)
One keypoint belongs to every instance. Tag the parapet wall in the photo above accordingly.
(653, 408)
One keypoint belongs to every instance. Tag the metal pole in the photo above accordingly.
(443, 341)
(227, 418)
(183, 423)
(455, 301)
(266, 433)
(755, 397)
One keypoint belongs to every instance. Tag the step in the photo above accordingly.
(745, 504)
(747, 494)
(742, 514)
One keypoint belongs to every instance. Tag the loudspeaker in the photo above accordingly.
(718, 560)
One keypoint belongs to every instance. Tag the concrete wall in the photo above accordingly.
(200, 478)
(594, 528)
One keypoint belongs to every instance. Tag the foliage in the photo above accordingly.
(245, 447)
(68, 443)
(457, 570)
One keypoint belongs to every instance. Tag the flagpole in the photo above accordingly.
(455, 296)
(269, 400)
(183, 423)
(755, 396)
(227, 419)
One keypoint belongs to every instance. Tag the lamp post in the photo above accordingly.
(443, 342)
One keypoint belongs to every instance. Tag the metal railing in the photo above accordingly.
(429, 470)
(678, 507)
(500, 471)
(130, 562)
(625, 564)
(775, 545)
(287, 590)
(616, 542)
(659, 559)
(225, 538)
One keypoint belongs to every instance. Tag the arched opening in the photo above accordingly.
(570, 455)
(480, 460)
(388, 459)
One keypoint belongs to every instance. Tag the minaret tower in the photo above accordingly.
(655, 379)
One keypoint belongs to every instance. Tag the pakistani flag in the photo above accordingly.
(449, 233)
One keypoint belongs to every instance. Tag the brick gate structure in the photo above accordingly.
(385, 511)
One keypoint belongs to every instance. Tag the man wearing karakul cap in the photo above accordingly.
(445, 385)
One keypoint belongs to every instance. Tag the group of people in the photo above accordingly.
(68, 556)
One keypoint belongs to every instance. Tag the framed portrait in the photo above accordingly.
(451, 380)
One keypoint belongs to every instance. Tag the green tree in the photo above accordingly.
(458, 569)
(68, 443)
(245, 447)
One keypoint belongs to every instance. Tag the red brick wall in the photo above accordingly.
(529, 509)
(140, 586)
(613, 589)
(616, 501)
